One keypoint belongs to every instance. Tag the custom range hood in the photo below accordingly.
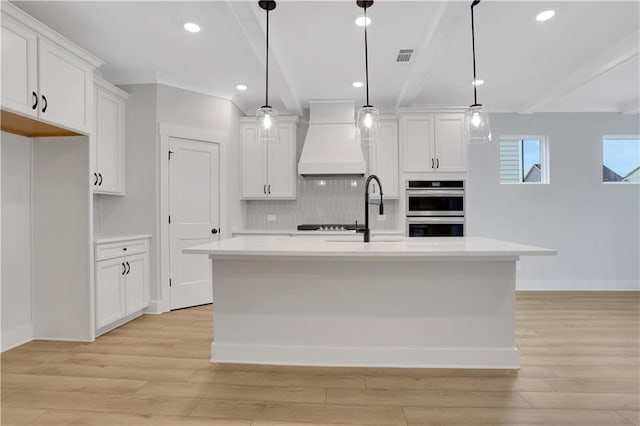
(330, 147)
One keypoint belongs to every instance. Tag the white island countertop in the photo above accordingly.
(353, 246)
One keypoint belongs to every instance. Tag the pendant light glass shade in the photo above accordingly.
(476, 119)
(266, 115)
(367, 122)
(267, 125)
(368, 117)
(476, 124)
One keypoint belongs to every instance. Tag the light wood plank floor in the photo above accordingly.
(579, 357)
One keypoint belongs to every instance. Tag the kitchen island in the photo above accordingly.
(436, 302)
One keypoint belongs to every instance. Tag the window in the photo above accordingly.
(621, 159)
(523, 160)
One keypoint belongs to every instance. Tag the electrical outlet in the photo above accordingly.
(271, 217)
(381, 217)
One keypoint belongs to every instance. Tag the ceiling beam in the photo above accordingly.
(631, 107)
(249, 19)
(612, 58)
(436, 30)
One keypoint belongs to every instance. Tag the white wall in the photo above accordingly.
(594, 227)
(17, 323)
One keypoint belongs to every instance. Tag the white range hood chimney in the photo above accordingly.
(330, 147)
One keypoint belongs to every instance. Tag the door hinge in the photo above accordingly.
(169, 282)
(170, 152)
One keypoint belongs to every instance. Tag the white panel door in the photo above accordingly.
(110, 299)
(137, 283)
(281, 167)
(108, 127)
(66, 87)
(254, 164)
(194, 173)
(416, 133)
(19, 68)
(449, 143)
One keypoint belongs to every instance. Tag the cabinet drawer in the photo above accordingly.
(119, 249)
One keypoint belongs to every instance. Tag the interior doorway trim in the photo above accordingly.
(166, 131)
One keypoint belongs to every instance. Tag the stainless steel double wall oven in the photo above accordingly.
(435, 208)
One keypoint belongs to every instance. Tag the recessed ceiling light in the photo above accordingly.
(546, 15)
(241, 87)
(357, 84)
(192, 27)
(361, 21)
(478, 82)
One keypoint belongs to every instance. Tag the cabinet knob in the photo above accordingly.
(124, 268)
(35, 100)
(95, 175)
(44, 100)
(100, 176)
(214, 231)
(437, 163)
(124, 249)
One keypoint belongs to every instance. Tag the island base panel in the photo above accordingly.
(383, 313)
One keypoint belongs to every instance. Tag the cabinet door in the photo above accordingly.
(109, 141)
(19, 68)
(254, 164)
(383, 159)
(281, 164)
(66, 88)
(449, 143)
(137, 283)
(416, 134)
(110, 301)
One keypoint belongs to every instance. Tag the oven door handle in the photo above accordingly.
(435, 193)
(428, 220)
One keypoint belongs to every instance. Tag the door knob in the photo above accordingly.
(214, 231)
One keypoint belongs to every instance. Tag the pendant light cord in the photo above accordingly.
(266, 92)
(366, 55)
(473, 47)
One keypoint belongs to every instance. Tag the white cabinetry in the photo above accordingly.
(268, 170)
(383, 159)
(122, 280)
(45, 76)
(108, 138)
(433, 142)
(19, 68)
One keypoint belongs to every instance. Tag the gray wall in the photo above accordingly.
(17, 322)
(594, 226)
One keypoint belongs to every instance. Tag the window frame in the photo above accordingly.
(614, 137)
(545, 175)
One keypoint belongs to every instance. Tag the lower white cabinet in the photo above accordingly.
(122, 281)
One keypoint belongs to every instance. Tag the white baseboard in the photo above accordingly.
(155, 308)
(16, 336)
(322, 356)
(578, 285)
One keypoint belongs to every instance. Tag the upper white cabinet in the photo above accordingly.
(383, 160)
(268, 170)
(45, 76)
(108, 138)
(19, 68)
(433, 142)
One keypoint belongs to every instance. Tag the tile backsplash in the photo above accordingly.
(331, 199)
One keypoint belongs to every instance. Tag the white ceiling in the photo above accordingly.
(584, 59)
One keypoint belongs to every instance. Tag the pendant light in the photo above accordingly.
(476, 118)
(267, 116)
(368, 116)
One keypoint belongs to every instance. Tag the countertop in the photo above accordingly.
(352, 246)
(295, 232)
(105, 239)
